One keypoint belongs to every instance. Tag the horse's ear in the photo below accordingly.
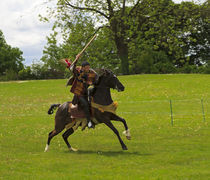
(110, 71)
(107, 71)
(100, 71)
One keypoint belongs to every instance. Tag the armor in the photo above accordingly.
(81, 80)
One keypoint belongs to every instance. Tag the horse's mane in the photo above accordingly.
(102, 73)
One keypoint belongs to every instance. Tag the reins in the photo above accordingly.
(106, 87)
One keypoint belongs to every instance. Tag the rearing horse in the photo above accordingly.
(102, 96)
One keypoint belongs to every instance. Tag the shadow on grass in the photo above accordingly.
(110, 153)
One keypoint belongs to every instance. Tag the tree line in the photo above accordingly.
(133, 37)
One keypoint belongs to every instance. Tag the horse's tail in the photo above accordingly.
(52, 108)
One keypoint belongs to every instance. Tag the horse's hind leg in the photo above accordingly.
(127, 131)
(50, 136)
(111, 126)
(65, 135)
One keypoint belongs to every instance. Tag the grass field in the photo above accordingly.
(157, 150)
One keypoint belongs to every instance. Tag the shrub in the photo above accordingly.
(25, 73)
(11, 75)
(164, 68)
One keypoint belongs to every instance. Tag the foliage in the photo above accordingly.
(150, 61)
(149, 36)
(177, 29)
(10, 59)
(10, 74)
(25, 73)
(181, 31)
(207, 69)
(112, 14)
(52, 53)
(74, 42)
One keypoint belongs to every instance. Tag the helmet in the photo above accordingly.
(85, 63)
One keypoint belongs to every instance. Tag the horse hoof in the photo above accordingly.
(73, 149)
(125, 148)
(46, 148)
(127, 134)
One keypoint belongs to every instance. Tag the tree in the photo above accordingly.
(111, 13)
(52, 53)
(25, 73)
(199, 48)
(179, 31)
(193, 27)
(80, 33)
(10, 58)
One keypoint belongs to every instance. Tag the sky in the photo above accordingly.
(21, 27)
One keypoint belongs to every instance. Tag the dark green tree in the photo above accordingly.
(111, 13)
(10, 58)
(75, 38)
(52, 53)
(178, 30)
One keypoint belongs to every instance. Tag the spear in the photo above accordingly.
(77, 57)
(63, 61)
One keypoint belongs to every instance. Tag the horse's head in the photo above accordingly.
(110, 80)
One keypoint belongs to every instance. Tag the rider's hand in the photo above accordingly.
(68, 64)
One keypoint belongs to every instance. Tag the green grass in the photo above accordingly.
(157, 149)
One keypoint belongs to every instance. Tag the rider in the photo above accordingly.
(83, 77)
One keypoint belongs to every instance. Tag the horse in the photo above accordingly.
(100, 95)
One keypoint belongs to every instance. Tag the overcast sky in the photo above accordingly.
(21, 26)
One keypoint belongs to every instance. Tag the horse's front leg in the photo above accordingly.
(118, 118)
(111, 126)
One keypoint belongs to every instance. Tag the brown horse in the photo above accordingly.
(101, 95)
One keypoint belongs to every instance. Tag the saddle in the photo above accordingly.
(75, 111)
(79, 117)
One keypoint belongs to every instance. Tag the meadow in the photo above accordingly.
(157, 149)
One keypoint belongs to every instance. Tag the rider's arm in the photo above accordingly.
(73, 68)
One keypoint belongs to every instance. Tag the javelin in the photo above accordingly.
(76, 59)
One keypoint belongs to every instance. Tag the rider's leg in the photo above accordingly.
(91, 92)
(85, 106)
(75, 100)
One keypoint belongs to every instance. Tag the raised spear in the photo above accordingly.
(70, 65)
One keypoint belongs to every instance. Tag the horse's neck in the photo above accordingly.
(102, 96)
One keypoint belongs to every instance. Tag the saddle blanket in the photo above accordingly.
(75, 111)
(79, 122)
(109, 108)
(79, 118)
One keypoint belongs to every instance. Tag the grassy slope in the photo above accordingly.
(157, 150)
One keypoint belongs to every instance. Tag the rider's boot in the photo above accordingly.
(90, 124)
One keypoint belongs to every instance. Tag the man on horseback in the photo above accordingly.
(83, 77)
